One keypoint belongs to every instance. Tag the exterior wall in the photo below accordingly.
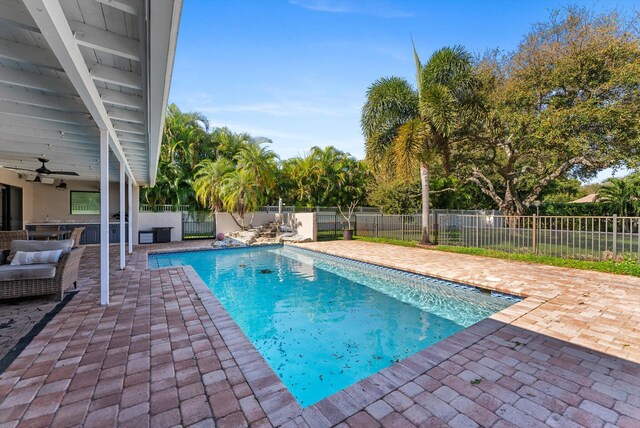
(57, 205)
(306, 224)
(146, 221)
(11, 178)
(225, 224)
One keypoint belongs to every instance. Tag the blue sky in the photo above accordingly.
(296, 71)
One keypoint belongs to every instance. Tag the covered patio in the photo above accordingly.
(84, 85)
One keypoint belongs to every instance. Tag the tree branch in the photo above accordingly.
(535, 192)
(486, 186)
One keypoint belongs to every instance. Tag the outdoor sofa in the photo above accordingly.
(37, 279)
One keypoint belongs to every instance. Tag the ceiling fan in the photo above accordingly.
(43, 169)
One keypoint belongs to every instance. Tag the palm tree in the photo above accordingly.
(260, 161)
(303, 172)
(241, 194)
(405, 128)
(622, 193)
(208, 182)
(184, 134)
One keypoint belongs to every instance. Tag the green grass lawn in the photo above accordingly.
(386, 241)
(627, 267)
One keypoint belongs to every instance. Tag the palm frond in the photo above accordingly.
(410, 147)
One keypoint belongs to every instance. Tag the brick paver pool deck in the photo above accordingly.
(165, 353)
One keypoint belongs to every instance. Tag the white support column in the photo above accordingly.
(104, 217)
(123, 261)
(134, 222)
(130, 206)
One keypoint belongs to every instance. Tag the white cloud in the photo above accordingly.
(290, 144)
(379, 8)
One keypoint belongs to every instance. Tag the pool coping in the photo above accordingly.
(280, 405)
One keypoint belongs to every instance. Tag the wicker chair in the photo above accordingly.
(7, 236)
(66, 273)
(76, 234)
(66, 276)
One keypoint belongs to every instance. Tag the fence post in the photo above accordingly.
(477, 231)
(615, 236)
(534, 233)
(355, 225)
(402, 226)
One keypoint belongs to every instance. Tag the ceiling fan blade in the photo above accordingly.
(18, 168)
(63, 173)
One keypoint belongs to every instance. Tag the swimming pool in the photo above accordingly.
(324, 322)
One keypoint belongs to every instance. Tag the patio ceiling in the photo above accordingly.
(69, 68)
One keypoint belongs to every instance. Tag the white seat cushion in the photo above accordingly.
(39, 271)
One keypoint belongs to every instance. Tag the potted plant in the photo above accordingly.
(347, 233)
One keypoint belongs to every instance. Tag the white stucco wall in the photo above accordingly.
(306, 224)
(225, 224)
(146, 221)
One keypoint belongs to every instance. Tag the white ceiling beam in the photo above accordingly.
(105, 41)
(69, 154)
(71, 158)
(131, 138)
(131, 128)
(34, 150)
(120, 99)
(34, 55)
(126, 115)
(123, 5)
(28, 122)
(46, 114)
(54, 26)
(46, 136)
(86, 35)
(115, 76)
(11, 76)
(24, 96)
(22, 53)
(16, 14)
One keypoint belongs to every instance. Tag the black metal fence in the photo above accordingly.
(582, 238)
(406, 227)
(198, 226)
(403, 227)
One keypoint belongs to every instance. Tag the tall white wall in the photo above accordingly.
(147, 221)
(306, 224)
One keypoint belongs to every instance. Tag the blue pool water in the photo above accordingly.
(323, 322)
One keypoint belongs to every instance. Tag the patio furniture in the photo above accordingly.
(76, 234)
(46, 231)
(46, 235)
(7, 236)
(40, 279)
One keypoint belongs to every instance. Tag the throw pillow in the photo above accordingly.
(35, 257)
(30, 246)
